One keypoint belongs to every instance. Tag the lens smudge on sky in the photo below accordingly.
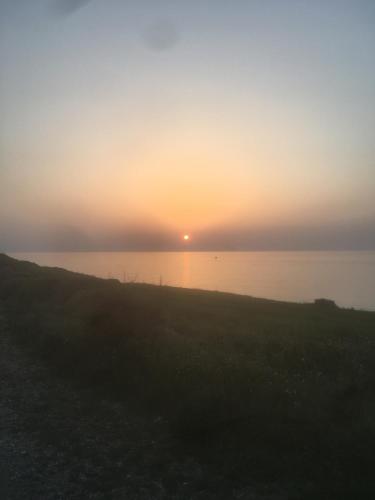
(66, 7)
(161, 35)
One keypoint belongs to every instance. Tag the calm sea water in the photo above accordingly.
(346, 277)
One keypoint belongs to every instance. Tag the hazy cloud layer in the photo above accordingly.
(359, 235)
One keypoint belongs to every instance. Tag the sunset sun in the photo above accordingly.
(186, 237)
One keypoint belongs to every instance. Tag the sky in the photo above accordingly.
(247, 124)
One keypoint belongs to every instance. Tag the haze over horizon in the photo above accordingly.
(126, 125)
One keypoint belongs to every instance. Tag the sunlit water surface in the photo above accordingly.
(346, 277)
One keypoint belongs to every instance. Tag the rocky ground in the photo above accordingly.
(60, 442)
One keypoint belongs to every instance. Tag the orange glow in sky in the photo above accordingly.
(123, 141)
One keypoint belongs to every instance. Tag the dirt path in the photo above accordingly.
(59, 443)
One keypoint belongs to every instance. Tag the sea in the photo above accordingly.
(348, 278)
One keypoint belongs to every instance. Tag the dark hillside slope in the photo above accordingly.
(261, 390)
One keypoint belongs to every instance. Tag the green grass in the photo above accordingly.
(262, 389)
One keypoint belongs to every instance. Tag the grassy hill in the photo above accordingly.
(261, 391)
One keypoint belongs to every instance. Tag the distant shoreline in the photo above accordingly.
(192, 250)
(348, 278)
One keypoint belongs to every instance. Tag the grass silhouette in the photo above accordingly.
(262, 390)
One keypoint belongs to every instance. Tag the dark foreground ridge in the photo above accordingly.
(128, 391)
